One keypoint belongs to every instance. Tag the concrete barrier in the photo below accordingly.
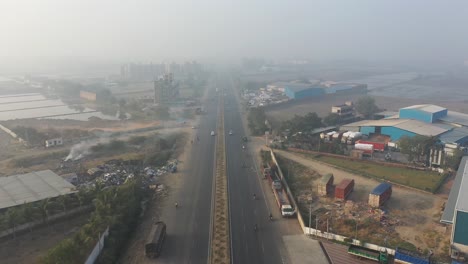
(97, 248)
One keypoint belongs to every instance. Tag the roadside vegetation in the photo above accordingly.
(42, 210)
(116, 207)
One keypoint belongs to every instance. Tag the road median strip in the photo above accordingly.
(220, 241)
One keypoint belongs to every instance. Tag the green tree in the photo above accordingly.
(256, 121)
(29, 214)
(12, 218)
(453, 161)
(366, 106)
(332, 119)
(303, 124)
(417, 146)
(63, 201)
(43, 208)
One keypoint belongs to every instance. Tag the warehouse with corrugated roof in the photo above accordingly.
(426, 120)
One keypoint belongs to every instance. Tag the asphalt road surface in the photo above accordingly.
(247, 245)
(188, 226)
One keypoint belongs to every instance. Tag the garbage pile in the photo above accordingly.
(116, 172)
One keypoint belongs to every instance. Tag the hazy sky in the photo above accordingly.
(149, 30)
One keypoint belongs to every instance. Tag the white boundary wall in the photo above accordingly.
(98, 248)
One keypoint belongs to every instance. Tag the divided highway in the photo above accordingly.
(188, 226)
(247, 245)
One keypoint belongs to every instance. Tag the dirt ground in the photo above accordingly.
(28, 247)
(417, 213)
(322, 106)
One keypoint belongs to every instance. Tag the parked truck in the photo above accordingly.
(378, 146)
(380, 194)
(362, 252)
(343, 189)
(325, 184)
(282, 199)
(366, 148)
(405, 256)
(353, 137)
(281, 196)
(155, 240)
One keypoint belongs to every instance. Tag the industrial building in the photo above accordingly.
(31, 187)
(456, 213)
(426, 120)
(345, 111)
(300, 91)
(297, 90)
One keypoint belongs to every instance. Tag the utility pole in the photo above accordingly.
(310, 214)
(316, 225)
(328, 234)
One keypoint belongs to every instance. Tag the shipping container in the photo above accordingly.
(343, 189)
(378, 146)
(409, 257)
(380, 194)
(325, 184)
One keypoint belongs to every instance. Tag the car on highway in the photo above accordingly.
(212, 133)
(230, 132)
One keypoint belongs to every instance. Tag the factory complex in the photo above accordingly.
(426, 120)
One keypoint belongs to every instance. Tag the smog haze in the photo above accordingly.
(156, 30)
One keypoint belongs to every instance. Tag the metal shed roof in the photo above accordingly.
(296, 87)
(457, 135)
(447, 216)
(421, 128)
(427, 108)
(415, 126)
(462, 200)
(455, 118)
(31, 187)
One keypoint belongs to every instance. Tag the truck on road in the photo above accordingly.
(155, 240)
(362, 252)
(281, 196)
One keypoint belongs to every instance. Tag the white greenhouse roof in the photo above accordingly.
(31, 187)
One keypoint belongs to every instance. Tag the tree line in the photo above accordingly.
(116, 207)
